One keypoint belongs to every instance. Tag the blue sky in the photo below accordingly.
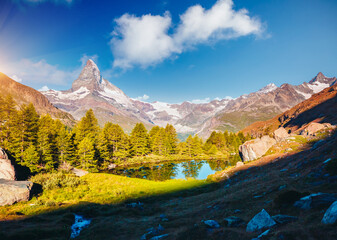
(170, 50)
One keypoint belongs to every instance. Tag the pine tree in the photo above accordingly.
(170, 139)
(86, 154)
(31, 159)
(47, 142)
(140, 145)
(113, 143)
(87, 127)
(24, 131)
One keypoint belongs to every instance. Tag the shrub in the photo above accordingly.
(57, 180)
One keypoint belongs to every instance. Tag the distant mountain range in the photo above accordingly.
(91, 90)
(24, 95)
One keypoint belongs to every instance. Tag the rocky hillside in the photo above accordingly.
(110, 103)
(24, 95)
(321, 108)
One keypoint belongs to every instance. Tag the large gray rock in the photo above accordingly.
(260, 221)
(7, 170)
(14, 191)
(330, 216)
(280, 134)
(255, 148)
(315, 200)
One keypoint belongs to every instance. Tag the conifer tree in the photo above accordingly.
(47, 142)
(31, 159)
(139, 140)
(170, 140)
(24, 131)
(87, 127)
(86, 154)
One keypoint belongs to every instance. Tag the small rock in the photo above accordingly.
(282, 187)
(284, 219)
(283, 170)
(237, 211)
(212, 223)
(316, 200)
(330, 216)
(234, 221)
(326, 161)
(239, 164)
(260, 221)
(79, 172)
(159, 237)
(138, 205)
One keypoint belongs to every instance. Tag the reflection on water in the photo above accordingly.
(176, 170)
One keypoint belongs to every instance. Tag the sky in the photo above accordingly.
(169, 50)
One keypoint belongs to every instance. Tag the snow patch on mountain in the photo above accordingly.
(270, 87)
(318, 86)
(80, 93)
(162, 106)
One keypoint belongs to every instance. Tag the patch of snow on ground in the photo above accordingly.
(78, 226)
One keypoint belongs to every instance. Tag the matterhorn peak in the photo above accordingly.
(90, 77)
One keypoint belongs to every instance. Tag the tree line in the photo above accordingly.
(43, 143)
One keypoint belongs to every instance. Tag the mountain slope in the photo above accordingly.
(264, 104)
(24, 95)
(321, 107)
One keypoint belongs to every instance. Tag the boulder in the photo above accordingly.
(315, 200)
(239, 164)
(330, 216)
(212, 223)
(14, 191)
(314, 127)
(234, 221)
(255, 148)
(284, 219)
(79, 172)
(260, 221)
(7, 170)
(280, 134)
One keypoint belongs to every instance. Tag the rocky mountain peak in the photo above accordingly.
(320, 78)
(89, 78)
(270, 87)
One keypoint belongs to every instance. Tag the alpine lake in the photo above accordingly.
(183, 169)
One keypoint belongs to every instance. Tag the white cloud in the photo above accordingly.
(143, 98)
(141, 40)
(150, 39)
(16, 78)
(39, 73)
(44, 88)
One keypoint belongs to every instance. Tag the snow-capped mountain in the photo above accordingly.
(91, 90)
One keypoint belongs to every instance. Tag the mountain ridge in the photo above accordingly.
(91, 90)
